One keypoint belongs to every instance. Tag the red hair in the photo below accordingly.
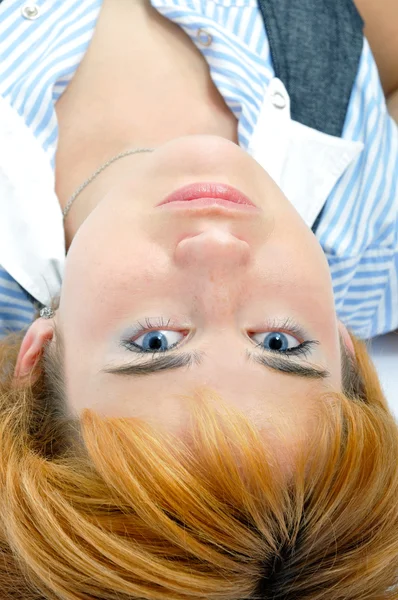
(111, 508)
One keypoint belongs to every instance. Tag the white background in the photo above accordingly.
(384, 351)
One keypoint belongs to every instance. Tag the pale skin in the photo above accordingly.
(213, 283)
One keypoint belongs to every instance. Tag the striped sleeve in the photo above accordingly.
(359, 229)
(17, 307)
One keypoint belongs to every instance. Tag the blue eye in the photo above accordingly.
(153, 337)
(276, 341)
(157, 341)
(283, 343)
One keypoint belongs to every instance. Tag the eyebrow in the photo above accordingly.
(187, 359)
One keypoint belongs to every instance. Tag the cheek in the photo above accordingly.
(104, 285)
(293, 259)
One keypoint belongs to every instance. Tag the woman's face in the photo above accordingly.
(220, 289)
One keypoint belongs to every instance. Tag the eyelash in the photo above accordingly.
(288, 326)
(303, 349)
(139, 328)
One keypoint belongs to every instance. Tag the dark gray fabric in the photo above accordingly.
(315, 46)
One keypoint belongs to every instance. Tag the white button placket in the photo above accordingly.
(270, 139)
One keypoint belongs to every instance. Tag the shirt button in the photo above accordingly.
(30, 11)
(204, 37)
(278, 100)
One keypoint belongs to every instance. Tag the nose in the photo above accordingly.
(212, 250)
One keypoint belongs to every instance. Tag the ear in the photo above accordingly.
(31, 349)
(347, 338)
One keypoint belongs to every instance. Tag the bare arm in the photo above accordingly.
(381, 30)
(392, 104)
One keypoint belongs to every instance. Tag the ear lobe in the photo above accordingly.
(31, 349)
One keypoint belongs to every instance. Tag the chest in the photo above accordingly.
(141, 82)
(141, 74)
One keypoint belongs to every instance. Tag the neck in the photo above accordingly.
(89, 198)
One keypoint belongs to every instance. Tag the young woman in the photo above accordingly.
(182, 155)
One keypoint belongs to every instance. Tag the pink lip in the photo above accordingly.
(208, 194)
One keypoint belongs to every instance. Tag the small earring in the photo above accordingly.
(47, 313)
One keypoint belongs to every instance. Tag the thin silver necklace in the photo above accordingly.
(97, 172)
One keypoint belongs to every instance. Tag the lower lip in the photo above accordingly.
(203, 194)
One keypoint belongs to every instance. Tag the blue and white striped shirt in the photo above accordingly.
(359, 226)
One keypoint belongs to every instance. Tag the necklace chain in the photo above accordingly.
(97, 172)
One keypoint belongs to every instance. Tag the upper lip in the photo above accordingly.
(204, 189)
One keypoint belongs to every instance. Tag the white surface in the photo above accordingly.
(384, 351)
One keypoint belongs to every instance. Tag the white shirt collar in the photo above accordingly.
(305, 163)
(32, 245)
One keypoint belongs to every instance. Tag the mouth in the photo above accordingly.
(204, 195)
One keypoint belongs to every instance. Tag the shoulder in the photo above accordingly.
(393, 105)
